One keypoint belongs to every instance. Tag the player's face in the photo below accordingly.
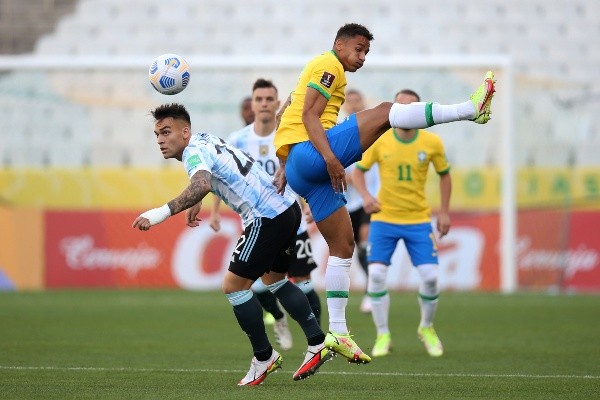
(405, 98)
(352, 52)
(265, 104)
(354, 103)
(246, 112)
(172, 135)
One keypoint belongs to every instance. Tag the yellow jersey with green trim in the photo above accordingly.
(403, 168)
(326, 74)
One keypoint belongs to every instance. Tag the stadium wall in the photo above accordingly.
(99, 249)
(78, 234)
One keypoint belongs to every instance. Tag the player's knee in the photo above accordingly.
(259, 287)
(429, 275)
(340, 247)
(378, 274)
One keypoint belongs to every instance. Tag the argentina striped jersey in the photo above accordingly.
(236, 178)
(261, 148)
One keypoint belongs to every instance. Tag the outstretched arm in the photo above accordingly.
(314, 105)
(191, 196)
(443, 220)
(215, 214)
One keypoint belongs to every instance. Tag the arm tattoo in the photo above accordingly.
(193, 194)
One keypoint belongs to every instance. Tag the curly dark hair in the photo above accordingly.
(173, 110)
(351, 30)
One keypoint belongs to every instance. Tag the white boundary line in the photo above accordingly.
(232, 371)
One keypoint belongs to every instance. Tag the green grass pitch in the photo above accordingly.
(186, 345)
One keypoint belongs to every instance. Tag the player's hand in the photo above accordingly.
(443, 224)
(191, 215)
(371, 205)
(141, 223)
(152, 217)
(337, 174)
(279, 180)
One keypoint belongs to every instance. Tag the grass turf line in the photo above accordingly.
(178, 344)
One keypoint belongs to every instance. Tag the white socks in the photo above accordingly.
(337, 285)
(380, 298)
(428, 293)
(423, 115)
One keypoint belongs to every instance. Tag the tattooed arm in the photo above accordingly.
(191, 196)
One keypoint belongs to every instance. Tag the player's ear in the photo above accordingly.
(339, 44)
(186, 131)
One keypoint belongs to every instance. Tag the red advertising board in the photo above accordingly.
(100, 249)
(559, 249)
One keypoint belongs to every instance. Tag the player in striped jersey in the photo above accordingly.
(266, 247)
(256, 139)
(401, 213)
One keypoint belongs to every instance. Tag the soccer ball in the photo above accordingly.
(169, 74)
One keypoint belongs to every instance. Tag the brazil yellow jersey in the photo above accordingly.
(403, 167)
(326, 74)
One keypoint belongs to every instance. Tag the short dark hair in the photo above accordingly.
(408, 92)
(173, 110)
(352, 30)
(262, 84)
(354, 91)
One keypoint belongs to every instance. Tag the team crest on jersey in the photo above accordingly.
(263, 150)
(422, 156)
(327, 79)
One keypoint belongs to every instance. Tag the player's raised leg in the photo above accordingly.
(373, 122)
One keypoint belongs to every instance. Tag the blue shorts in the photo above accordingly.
(307, 174)
(418, 238)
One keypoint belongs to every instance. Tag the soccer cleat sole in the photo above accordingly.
(312, 368)
(272, 368)
(483, 107)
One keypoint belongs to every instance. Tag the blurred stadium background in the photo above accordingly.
(78, 161)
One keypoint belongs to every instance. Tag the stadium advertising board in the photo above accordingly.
(100, 249)
(559, 250)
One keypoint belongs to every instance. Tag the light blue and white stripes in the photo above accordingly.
(242, 184)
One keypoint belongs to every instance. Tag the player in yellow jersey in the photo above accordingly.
(313, 152)
(401, 212)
